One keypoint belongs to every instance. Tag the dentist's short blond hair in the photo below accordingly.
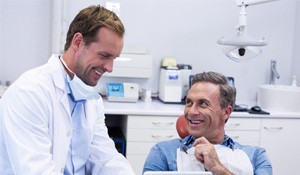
(88, 22)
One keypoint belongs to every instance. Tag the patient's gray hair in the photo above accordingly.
(227, 91)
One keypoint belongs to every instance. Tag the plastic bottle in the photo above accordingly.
(294, 81)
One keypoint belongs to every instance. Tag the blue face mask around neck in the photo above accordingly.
(80, 91)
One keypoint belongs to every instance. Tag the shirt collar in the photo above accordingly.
(228, 142)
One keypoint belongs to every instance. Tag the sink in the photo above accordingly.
(279, 98)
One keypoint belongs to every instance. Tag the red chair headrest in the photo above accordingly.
(181, 127)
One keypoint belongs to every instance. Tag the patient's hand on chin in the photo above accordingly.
(205, 152)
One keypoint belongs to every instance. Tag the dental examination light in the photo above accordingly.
(243, 47)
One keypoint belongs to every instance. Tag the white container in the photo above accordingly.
(294, 81)
(132, 66)
(170, 88)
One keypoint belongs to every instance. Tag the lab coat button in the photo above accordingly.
(62, 170)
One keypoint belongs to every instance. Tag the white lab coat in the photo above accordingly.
(35, 127)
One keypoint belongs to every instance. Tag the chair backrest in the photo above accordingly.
(181, 127)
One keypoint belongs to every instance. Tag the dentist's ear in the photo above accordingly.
(77, 39)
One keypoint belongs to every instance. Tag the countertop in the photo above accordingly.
(158, 108)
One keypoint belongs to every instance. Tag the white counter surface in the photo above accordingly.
(156, 107)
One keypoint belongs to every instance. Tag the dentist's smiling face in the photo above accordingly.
(92, 61)
(203, 112)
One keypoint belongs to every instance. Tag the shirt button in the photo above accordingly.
(62, 170)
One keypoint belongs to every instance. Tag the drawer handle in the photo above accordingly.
(160, 137)
(273, 128)
(233, 125)
(235, 137)
(159, 124)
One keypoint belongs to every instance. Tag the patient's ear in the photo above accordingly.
(227, 113)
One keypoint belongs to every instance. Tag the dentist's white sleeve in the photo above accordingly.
(24, 121)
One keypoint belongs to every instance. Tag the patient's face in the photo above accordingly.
(203, 112)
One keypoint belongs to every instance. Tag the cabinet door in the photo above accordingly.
(243, 124)
(280, 137)
(152, 122)
(145, 131)
(244, 130)
(245, 137)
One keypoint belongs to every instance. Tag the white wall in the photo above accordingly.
(296, 55)
(25, 36)
(188, 30)
(0, 41)
(183, 29)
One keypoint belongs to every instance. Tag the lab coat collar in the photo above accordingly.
(57, 71)
(58, 78)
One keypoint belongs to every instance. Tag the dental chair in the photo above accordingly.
(181, 127)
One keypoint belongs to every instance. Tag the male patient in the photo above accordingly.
(209, 104)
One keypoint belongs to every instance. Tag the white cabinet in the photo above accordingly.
(244, 130)
(280, 137)
(143, 132)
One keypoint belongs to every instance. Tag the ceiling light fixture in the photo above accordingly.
(243, 47)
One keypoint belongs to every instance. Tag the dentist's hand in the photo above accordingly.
(205, 152)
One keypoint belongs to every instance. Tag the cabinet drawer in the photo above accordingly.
(243, 124)
(151, 135)
(245, 137)
(139, 148)
(154, 122)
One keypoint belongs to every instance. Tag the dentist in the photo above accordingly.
(52, 119)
